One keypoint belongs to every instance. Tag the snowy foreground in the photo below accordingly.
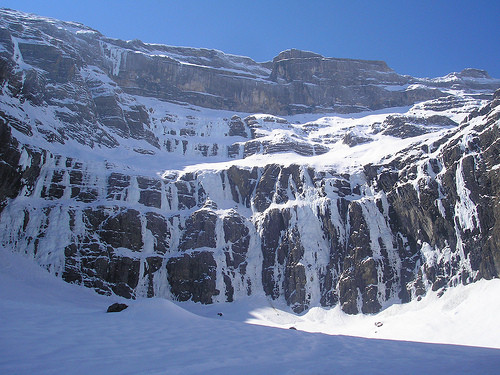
(50, 327)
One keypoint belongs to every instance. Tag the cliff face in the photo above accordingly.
(294, 82)
(131, 169)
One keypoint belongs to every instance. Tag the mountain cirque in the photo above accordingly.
(149, 170)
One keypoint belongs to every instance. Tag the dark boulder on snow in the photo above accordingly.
(117, 307)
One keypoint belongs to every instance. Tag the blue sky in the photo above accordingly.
(422, 38)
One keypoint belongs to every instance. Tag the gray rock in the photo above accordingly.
(123, 230)
(117, 307)
(192, 277)
(200, 230)
(406, 127)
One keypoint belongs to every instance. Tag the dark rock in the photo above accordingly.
(359, 280)
(237, 127)
(117, 184)
(185, 194)
(160, 230)
(242, 183)
(123, 230)
(117, 307)
(236, 234)
(10, 176)
(284, 145)
(265, 187)
(233, 151)
(406, 127)
(274, 227)
(352, 139)
(200, 230)
(192, 277)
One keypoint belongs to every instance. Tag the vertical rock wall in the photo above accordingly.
(310, 237)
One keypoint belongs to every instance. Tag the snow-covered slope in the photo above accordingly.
(141, 170)
(49, 327)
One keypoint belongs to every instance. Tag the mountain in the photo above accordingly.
(147, 170)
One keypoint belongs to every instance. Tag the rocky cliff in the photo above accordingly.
(149, 170)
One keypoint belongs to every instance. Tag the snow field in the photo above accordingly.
(50, 327)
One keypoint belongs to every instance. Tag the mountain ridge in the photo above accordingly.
(238, 83)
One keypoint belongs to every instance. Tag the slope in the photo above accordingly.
(51, 327)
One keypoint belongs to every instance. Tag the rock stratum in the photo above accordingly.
(148, 170)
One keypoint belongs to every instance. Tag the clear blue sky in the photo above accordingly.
(423, 38)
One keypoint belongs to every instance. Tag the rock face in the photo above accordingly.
(294, 82)
(118, 173)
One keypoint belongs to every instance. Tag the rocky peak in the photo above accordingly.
(296, 54)
(474, 73)
(307, 67)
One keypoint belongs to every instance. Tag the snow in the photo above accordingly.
(457, 77)
(465, 209)
(211, 127)
(50, 327)
(463, 315)
(18, 57)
